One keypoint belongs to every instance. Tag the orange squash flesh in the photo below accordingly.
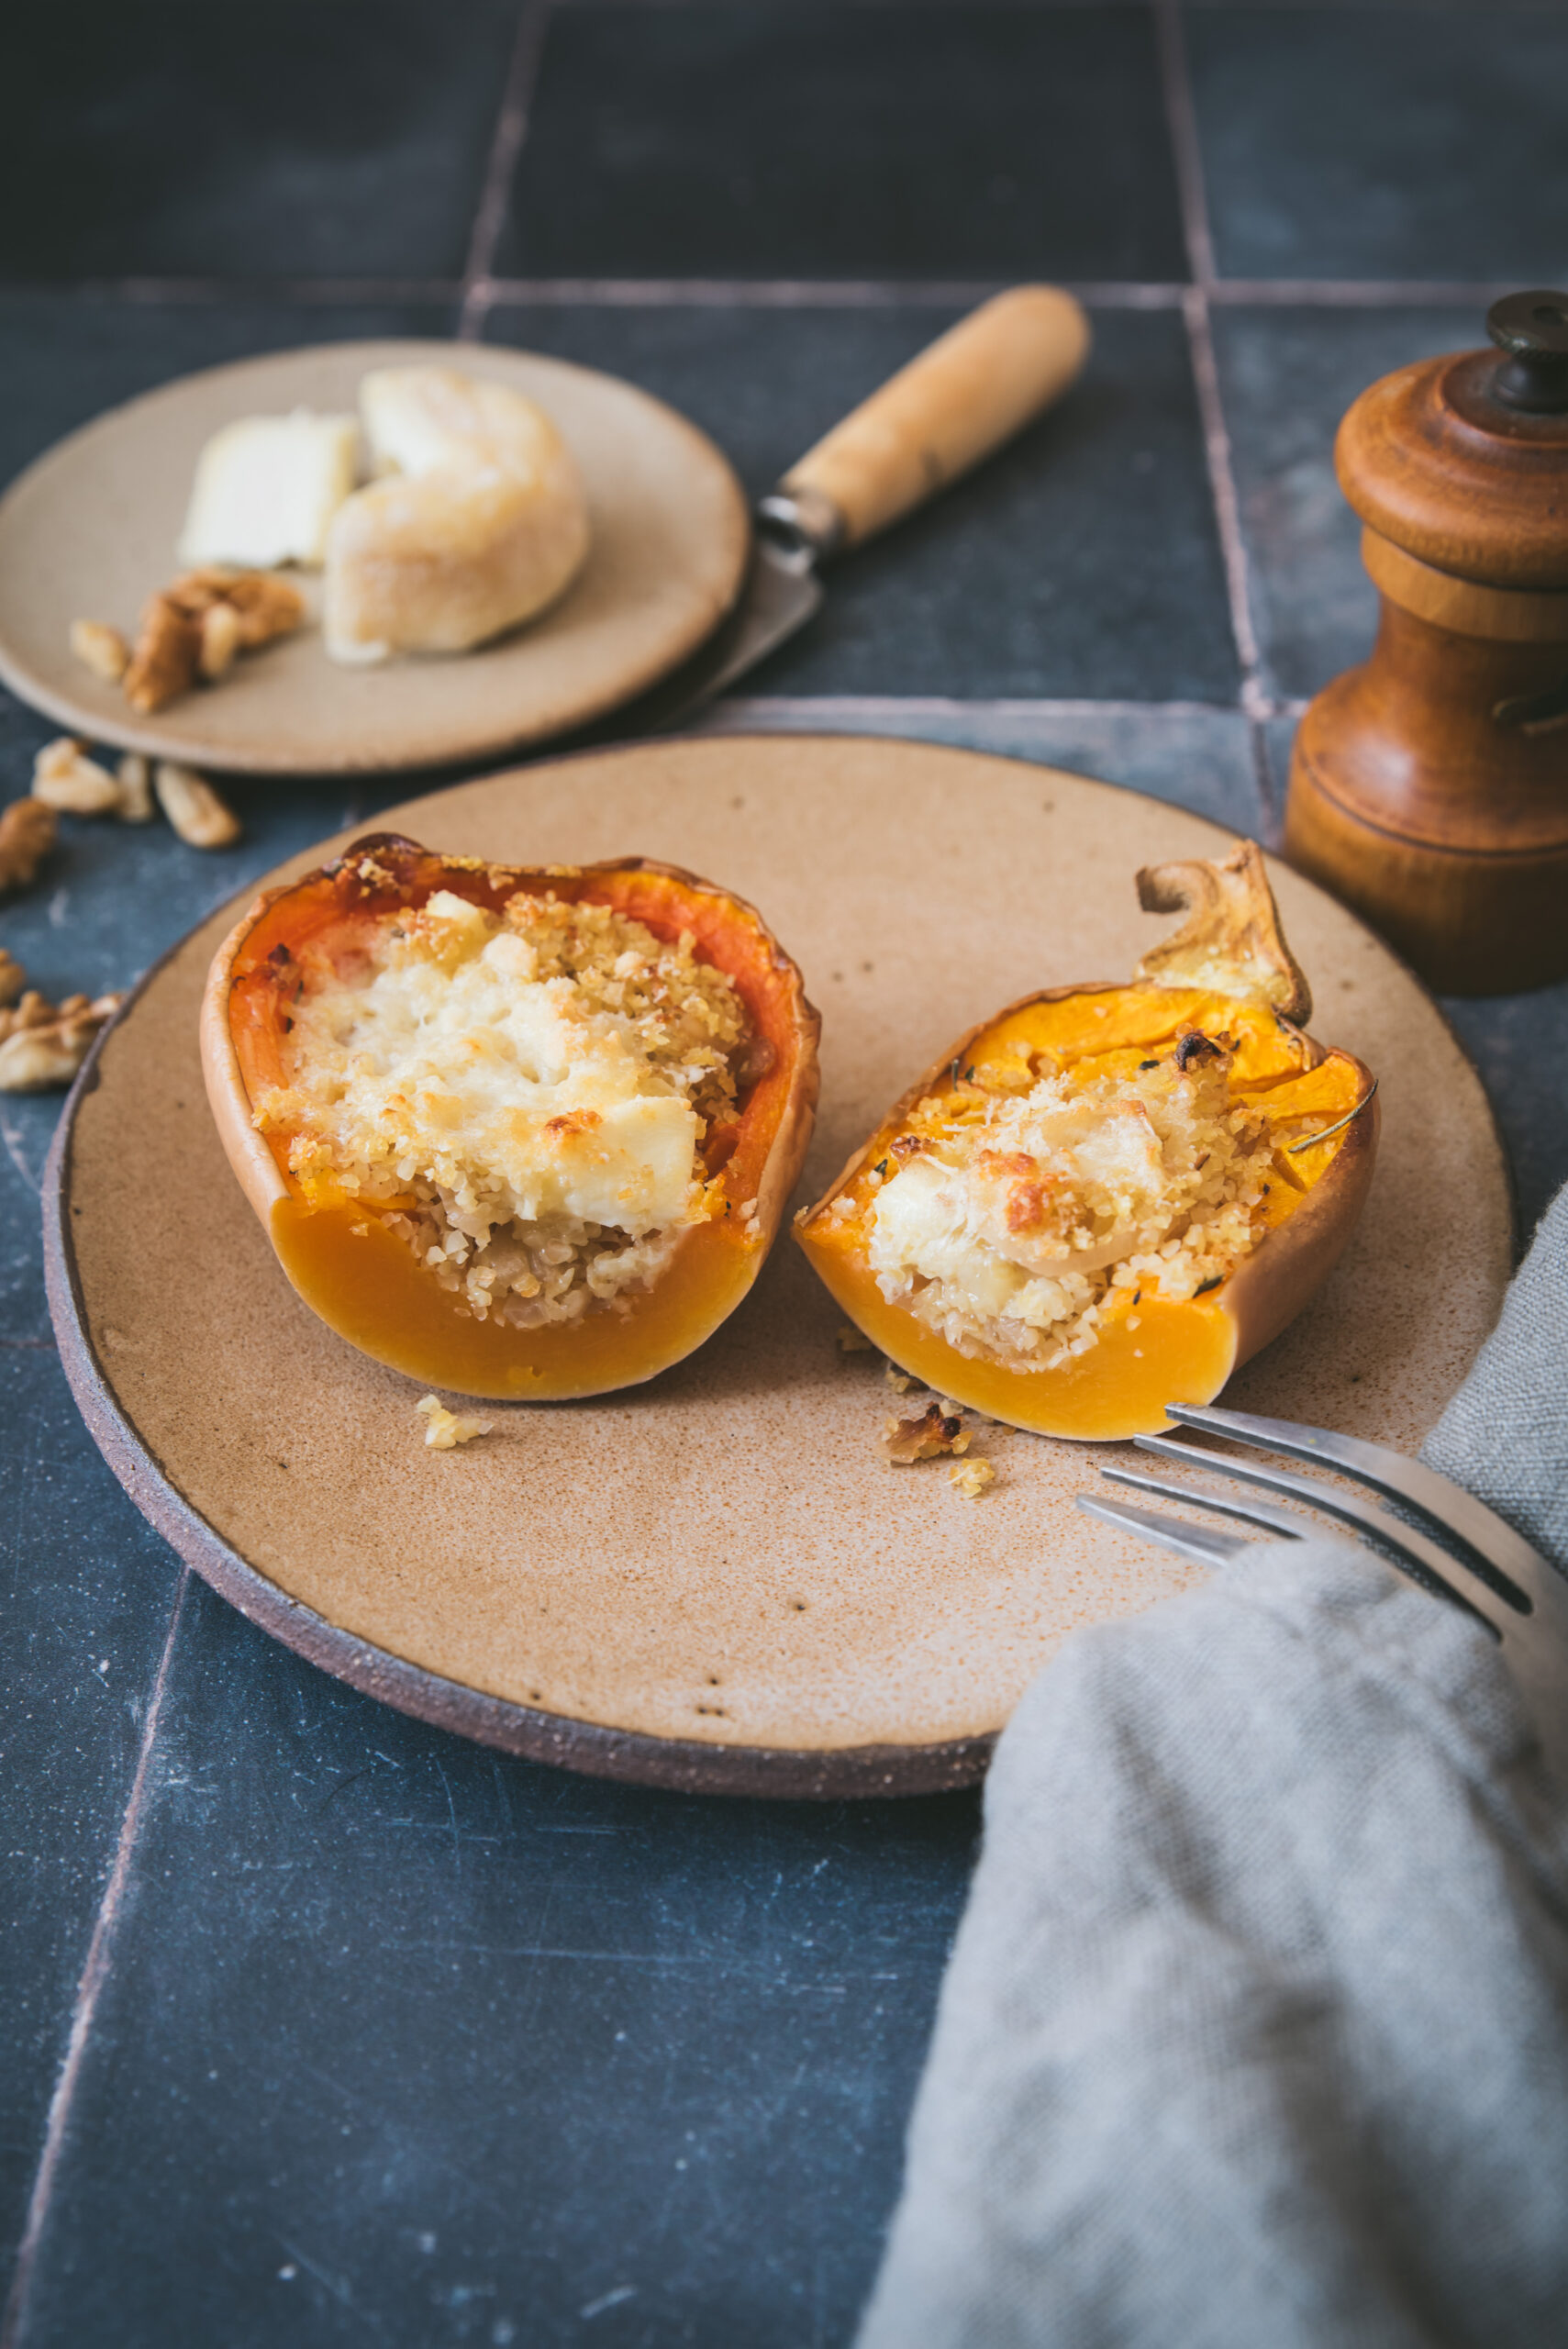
(1182, 1351)
(359, 1276)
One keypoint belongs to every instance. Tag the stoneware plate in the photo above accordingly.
(91, 530)
(714, 1581)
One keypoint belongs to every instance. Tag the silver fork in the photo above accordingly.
(1481, 1565)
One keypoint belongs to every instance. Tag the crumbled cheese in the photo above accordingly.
(524, 1094)
(444, 1429)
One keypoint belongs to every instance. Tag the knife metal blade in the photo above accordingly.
(780, 593)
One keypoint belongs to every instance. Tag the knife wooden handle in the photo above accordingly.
(967, 392)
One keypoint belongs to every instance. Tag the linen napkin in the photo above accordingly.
(1255, 2031)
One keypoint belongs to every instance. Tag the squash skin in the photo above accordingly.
(1185, 1350)
(368, 1287)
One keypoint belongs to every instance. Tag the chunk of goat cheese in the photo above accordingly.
(267, 487)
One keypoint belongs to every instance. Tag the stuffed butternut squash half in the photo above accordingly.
(1104, 1199)
(522, 1133)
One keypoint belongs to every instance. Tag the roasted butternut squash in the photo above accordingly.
(1104, 1198)
(519, 1132)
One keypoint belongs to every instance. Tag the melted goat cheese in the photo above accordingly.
(512, 1092)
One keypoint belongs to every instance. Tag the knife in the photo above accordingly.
(957, 402)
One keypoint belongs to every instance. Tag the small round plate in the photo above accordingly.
(90, 531)
(716, 1580)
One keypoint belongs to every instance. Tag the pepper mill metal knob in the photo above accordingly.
(1429, 788)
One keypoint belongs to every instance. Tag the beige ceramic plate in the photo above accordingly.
(90, 529)
(714, 1580)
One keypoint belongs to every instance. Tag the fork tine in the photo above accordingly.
(1454, 1512)
(1166, 1532)
(1417, 1555)
(1275, 1521)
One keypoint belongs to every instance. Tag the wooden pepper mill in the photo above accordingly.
(1429, 788)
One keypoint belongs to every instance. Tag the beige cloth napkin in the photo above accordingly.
(1255, 2032)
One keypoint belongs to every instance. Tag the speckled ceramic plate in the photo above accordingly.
(714, 1581)
(90, 531)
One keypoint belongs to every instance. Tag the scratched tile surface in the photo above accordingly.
(452, 2047)
(321, 2026)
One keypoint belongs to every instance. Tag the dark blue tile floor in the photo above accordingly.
(801, 140)
(321, 2026)
(342, 139)
(1287, 378)
(429, 2019)
(1385, 142)
(86, 1590)
(1083, 562)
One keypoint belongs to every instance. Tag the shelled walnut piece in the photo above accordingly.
(191, 632)
(925, 1434)
(194, 808)
(27, 834)
(102, 649)
(43, 1044)
(134, 775)
(65, 777)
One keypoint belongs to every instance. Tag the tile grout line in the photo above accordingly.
(511, 130)
(984, 704)
(772, 293)
(810, 293)
(1181, 115)
(89, 1989)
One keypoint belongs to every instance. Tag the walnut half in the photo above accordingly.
(27, 834)
(167, 659)
(194, 808)
(66, 778)
(926, 1435)
(43, 1044)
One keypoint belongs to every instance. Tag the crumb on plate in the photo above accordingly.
(924, 1435)
(444, 1429)
(851, 1341)
(970, 1477)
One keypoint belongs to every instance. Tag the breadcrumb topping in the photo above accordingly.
(1009, 1218)
(522, 1095)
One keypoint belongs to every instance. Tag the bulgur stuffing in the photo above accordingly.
(443, 1429)
(523, 1096)
(851, 1341)
(1014, 1218)
(970, 1477)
